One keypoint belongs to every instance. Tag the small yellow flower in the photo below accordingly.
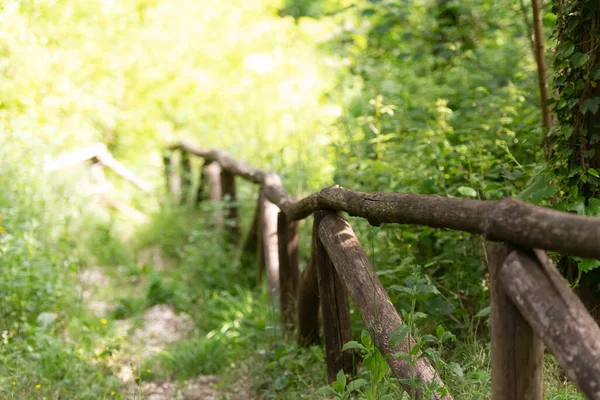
(14, 383)
(409, 246)
(112, 393)
(38, 386)
(104, 321)
(80, 351)
(148, 371)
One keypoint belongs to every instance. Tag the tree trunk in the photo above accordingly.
(575, 151)
(375, 307)
(289, 274)
(337, 327)
(517, 352)
(308, 299)
(540, 59)
(267, 228)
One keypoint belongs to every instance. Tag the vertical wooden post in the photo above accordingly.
(289, 273)
(171, 178)
(213, 180)
(201, 190)
(230, 197)
(167, 170)
(260, 248)
(267, 228)
(517, 352)
(308, 299)
(186, 177)
(334, 307)
(215, 191)
(250, 246)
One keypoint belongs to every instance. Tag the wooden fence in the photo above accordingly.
(531, 305)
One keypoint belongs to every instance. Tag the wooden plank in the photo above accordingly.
(250, 244)
(186, 178)
(289, 273)
(337, 328)
(100, 153)
(201, 194)
(373, 304)
(213, 181)
(557, 316)
(259, 240)
(517, 352)
(507, 220)
(215, 189)
(168, 171)
(270, 249)
(308, 300)
(230, 198)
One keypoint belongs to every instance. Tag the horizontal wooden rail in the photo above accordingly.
(100, 153)
(507, 220)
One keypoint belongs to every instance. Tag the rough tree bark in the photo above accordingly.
(186, 178)
(308, 299)
(337, 326)
(232, 215)
(540, 59)
(268, 239)
(557, 315)
(201, 194)
(212, 172)
(250, 246)
(373, 303)
(289, 273)
(535, 227)
(517, 352)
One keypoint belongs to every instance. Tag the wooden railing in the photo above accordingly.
(531, 305)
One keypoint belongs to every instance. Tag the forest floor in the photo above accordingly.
(144, 336)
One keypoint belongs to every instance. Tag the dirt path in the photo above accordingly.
(140, 339)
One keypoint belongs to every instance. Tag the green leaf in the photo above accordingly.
(467, 191)
(484, 312)
(416, 348)
(577, 205)
(327, 391)
(595, 74)
(578, 59)
(398, 334)
(428, 338)
(593, 172)
(439, 331)
(365, 338)
(356, 384)
(593, 208)
(456, 369)
(591, 105)
(566, 50)
(586, 264)
(340, 382)
(538, 190)
(399, 288)
(353, 345)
